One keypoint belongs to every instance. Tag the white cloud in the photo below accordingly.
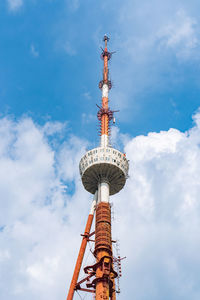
(88, 118)
(53, 128)
(14, 5)
(180, 34)
(34, 51)
(87, 95)
(143, 28)
(35, 211)
(152, 39)
(157, 213)
(158, 216)
(68, 48)
(118, 139)
(73, 5)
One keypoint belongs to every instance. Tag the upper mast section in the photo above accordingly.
(105, 115)
(105, 39)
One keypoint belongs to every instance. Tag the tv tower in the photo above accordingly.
(103, 171)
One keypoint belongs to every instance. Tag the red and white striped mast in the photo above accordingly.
(105, 85)
(103, 171)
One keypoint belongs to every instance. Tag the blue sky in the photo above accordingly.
(50, 64)
(49, 72)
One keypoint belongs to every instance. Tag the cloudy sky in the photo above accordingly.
(49, 73)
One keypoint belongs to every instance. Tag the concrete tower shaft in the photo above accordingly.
(103, 251)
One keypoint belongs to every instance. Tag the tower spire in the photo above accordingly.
(105, 115)
(103, 171)
(105, 39)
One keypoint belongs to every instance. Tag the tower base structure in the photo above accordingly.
(103, 252)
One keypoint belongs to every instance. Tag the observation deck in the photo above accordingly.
(104, 164)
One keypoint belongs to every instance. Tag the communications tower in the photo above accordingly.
(103, 171)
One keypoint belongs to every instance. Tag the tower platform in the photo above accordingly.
(104, 164)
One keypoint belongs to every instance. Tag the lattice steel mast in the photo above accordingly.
(103, 171)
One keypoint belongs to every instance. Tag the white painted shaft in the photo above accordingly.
(104, 140)
(103, 192)
(94, 203)
(104, 137)
(105, 91)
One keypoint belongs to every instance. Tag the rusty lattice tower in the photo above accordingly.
(103, 171)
